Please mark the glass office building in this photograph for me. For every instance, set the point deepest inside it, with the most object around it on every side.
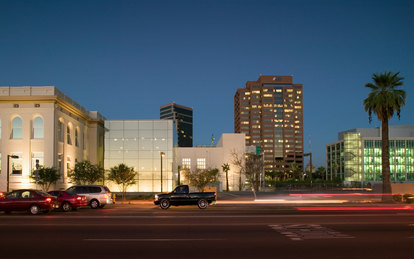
(139, 144)
(356, 156)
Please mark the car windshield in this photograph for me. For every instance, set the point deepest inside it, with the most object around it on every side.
(106, 189)
(71, 190)
(70, 193)
(42, 193)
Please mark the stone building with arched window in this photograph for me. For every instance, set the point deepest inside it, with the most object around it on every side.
(41, 125)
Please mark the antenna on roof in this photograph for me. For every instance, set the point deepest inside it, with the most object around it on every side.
(212, 139)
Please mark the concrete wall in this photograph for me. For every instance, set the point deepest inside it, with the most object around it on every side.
(217, 156)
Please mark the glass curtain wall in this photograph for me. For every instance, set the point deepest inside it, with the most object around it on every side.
(401, 160)
(139, 144)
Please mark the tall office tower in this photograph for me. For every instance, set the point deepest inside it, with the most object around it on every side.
(183, 122)
(270, 112)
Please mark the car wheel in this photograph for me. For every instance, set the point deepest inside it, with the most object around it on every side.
(102, 206)
(94, 204)
(34, 209)
(202, 203)
(164, 204)
(66, 207)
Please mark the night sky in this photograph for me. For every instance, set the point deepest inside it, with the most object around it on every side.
(127, 58)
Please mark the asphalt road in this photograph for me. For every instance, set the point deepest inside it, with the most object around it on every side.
(221, 231)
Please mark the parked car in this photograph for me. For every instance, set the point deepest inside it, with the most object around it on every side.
(33, 201)
(182, 196)
(68, 201)
(97, 196)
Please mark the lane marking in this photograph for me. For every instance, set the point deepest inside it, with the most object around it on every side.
(300, 232)
(151, 239)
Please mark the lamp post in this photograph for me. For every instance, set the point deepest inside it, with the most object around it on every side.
(162, 155)
(8, 168)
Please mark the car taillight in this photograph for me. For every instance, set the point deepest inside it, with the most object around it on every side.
(1, 194)
(79, 198)
(106, 196)
(48, 199)
(215, 194)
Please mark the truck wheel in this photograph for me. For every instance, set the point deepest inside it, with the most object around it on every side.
(164, 204)
(202, 203)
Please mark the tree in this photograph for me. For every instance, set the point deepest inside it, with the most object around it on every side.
(86, 173)
(239, 160)
(384, 100)
(254, 168)
(320, 173)
(45, 177)
(123, 176)
(200, 178)
(295, 170)
(226, 169)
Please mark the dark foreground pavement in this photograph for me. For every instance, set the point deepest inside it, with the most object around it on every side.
(222, 231)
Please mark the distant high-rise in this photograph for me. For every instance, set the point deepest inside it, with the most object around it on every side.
(270, 112)
(183, 122)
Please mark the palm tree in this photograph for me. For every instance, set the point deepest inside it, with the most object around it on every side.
(226, 168)
(383, 100)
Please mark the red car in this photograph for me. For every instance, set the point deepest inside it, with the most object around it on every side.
(33, 201)
(69, 201)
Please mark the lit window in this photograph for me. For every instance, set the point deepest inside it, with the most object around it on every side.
(186, 163)
(17, 128)
(17, 163)
(37, 159)
(201, 163)
(38, 128)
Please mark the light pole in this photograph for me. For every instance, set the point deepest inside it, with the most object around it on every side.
(8, 168)
(162, 155)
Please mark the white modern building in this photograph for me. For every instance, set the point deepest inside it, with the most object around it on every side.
(214, 157)
(146, 145)
(356, 156)
(41, 125)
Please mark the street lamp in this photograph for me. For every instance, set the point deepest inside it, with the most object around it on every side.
(162, 155)
(8, 168)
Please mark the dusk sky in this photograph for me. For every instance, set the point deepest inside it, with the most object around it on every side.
(127, 58)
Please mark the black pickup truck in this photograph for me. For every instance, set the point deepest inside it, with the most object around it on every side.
(181, 196)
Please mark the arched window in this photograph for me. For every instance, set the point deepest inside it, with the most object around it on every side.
(17, 128)
(68, 132)
(60, 131)
(38, 127)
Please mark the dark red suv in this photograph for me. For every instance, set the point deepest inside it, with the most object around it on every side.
(33, 201)
(69, 201)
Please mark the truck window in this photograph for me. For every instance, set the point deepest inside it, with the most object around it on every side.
(181, 189)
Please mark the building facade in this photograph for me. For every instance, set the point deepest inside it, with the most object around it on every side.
(183, 122)
(42, 126)
(214, 157)
(269, 112)
(356, 156)
(140, 144)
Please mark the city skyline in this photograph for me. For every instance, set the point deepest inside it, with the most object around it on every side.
(133, 55)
